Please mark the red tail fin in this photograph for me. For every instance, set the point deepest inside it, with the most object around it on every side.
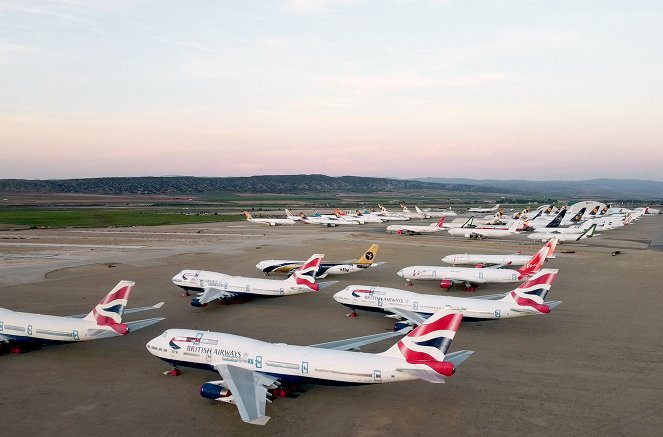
(534, 264)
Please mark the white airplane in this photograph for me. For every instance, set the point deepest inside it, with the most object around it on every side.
(479, 233)
(526, 300)
(289, 215)
(367, 260)
(358, 216)
(575, 229)
(213, 285)
(324, 221)
(416, 229)
(448, 276)
(21, 332)
(545, 221)
(565, 237)
(418, 214)
(253, 371)
(439, 213)
(460, 223)
(391, 215)
(269, 221)
(494, 208)
(495, 260)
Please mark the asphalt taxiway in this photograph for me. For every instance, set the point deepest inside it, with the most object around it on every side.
(593, 366)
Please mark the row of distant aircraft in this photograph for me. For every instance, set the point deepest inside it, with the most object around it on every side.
(253, 372)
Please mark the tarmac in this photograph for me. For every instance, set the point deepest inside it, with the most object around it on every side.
(593, 366)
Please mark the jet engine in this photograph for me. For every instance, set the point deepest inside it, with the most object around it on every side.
(215, 390)
(196, 303)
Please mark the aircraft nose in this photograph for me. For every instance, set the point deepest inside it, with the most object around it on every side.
(400, 272)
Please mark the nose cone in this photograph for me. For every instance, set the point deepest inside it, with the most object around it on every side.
(341, 295)
(401, 273)
(446, 259)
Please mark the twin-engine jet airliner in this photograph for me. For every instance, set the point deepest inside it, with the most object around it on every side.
(416, 229)
(480, 260)
(24, 331)
(252, 371)
(448, 276)
(526, 300)
(269, 221)
(213, 285)
(566, 237)
(480, 233)
(367, 260)
(493, 209)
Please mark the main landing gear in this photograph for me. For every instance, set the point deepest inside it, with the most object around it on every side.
(352, 314)
(173, 372)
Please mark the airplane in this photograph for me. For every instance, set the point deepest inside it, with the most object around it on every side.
(253, 371)
(212, 285)
(494, 260)
(358, 216)
(289, 215)
(448, 276)
(494, 208)
(440, 213)
(564, 238)
(418, 214)
(460, 223)
(478, 233)
(416, 229)
(324, 221)
(576, 229)
(269, 221)
(391, 215)
(326, 268)
(526, 300)
(21, 332)
(546, 221)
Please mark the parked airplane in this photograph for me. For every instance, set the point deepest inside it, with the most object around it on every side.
(544, 221)
(564, 238)
(253, 371)
(289, 215)
(494, 208)
(440, 213)
(526, 300)
(460, 223)
(448, 276)
(326, 268)
(392, 215)
(417, 214)
(576, 229)
(486, 233)
(269, 221)
(416, 229)
(21, 332)
(324, 221)
(213, 285)
(358, 216)
(495, 260)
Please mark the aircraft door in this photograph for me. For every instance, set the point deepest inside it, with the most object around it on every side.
(415, 306)
(2, 326)
(377, 375)
(29, 329)
(258, 362)
(74, 335)
(304, 366)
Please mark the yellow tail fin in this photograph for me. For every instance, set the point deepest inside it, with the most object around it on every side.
(369, 256)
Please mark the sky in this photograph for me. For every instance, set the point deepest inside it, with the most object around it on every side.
(492, 89)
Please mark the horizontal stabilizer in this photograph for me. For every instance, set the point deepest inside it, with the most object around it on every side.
(326, 284)
(140, 324)
(352, 343)
(456, 358)
(554, 304)
(126, 311)
(426, 375)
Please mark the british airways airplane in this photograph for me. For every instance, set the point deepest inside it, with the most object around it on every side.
(526, 300)
(20, 332)
(253, 371)
(212, 285)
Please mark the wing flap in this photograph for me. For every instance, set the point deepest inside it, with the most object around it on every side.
(212, 293)
(456, 358)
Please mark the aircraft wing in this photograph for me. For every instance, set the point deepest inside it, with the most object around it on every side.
(353, 343)
(212, 293)
(408, 315)
(249, 389)
(140, 324)
(126, 311)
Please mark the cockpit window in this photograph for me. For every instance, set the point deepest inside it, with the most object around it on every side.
(165, 334)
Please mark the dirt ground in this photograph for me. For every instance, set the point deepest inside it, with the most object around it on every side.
(593, 366)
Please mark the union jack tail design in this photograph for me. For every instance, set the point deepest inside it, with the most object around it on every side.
(109, 311)
(535, 263)
(532, 292)
(428, 343)
(305, 275)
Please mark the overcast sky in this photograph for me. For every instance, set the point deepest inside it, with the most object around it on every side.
(500, 89)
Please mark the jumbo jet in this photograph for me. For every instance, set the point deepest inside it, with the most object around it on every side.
(417, 214)
(212, 285)
(479, 233)
(495, 260)
(269, 221)
(367, 260)
(416, 229)
(493, 209)
(526, 300)
(253, 372)
(358, 216)
(566, 237)
(392, 215)
(448, 276)
(20, 332)
(324, 221)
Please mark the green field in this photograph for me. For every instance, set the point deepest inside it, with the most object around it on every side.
(92, 218)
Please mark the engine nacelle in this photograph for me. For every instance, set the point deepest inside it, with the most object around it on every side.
(215, 391)
(196, 303)
(446, 284)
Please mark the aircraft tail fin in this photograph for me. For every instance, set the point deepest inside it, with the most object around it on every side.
(576, 218)
(288, 214)
(535, 262)
(247, 216)
(424, 348)
(551, 245)
(109, 311)
(588, 233)
(514, 226)
(306, 274)
(554, 223)
(532, 293)
(369, 256)
(302, 216)
(468, 223)
(440, 224)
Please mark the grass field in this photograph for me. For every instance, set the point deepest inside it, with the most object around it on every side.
(89, 218)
